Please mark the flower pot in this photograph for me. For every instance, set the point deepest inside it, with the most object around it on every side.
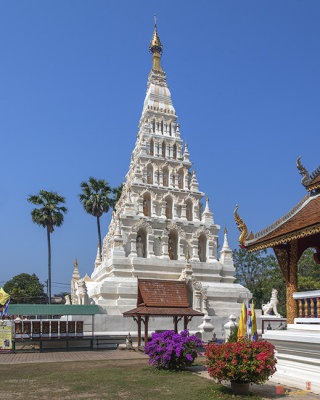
(240, 388)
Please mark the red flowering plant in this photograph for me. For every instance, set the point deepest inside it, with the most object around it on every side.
(242, 362)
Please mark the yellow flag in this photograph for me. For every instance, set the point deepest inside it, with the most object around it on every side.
(242, 323)
(254, 325)
(3, 297)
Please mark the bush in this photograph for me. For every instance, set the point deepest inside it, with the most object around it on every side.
(242, 362)
(233, 335)
(170, 350)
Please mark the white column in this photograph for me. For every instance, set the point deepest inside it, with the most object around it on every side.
(150, 241)
(163, 208)
(133, 251)
(183, 211)
(165, 254)
(181, 255)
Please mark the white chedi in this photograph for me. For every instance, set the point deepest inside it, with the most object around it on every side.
(159, 218)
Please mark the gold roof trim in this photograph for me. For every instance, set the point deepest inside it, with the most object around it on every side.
(313, 187)
(280, 221)
(310, 230)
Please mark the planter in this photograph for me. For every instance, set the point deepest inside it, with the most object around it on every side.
(240, 388)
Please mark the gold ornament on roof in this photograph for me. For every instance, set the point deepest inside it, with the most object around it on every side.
(76, 263)
(242, 228)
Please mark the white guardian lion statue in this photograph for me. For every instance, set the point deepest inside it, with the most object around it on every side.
(82, 292)
(272, 305)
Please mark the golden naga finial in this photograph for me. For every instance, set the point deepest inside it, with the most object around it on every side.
(76, 263)
(242, 228)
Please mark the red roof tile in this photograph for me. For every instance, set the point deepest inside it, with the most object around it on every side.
(162, 293)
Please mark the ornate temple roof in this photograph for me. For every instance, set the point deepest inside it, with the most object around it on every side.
(162, 298)
(303, 220)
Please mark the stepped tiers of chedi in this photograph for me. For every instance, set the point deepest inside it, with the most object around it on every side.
(159, 222)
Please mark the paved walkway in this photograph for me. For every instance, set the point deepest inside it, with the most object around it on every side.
(70, 356)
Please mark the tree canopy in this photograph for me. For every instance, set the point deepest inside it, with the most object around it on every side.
(51, 213)
(260, 273)
(25, 288)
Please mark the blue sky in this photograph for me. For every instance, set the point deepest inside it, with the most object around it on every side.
(244, 78)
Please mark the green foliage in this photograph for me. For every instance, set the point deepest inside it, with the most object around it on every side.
(50, 214)
(95, 196)
(233, 335)
(25, 288)
(260, 273)
(308, 272)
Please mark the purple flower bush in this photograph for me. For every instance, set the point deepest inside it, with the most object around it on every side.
(170, 350)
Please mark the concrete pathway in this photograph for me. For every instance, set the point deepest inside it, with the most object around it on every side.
(19, 358)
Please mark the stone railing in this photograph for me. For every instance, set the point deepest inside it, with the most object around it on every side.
(308, 305)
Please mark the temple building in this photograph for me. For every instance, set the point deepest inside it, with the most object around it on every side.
(298, 350)
(160, 229)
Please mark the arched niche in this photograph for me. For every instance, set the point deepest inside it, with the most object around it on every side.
(141, 243)
(150, 174)
(189, 210)
(147, 205)
(164, 149)
(165, 176)
(174, 151)
(169, 206)
(202, 247)
(180, 179)
(173, 245)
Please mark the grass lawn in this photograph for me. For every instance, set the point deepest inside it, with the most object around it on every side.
(121, 379)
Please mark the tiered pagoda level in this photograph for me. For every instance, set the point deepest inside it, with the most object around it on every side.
(159, 217)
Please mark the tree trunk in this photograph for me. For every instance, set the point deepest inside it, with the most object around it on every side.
(49, 266)
(99, 236)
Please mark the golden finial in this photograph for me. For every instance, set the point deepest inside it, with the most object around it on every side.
(187, 255)
(194, 172)
(155, 45)
(225, 229)
(207, 199)
(76, 263)
(156, 49)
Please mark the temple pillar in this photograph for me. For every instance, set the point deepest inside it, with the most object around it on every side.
(163, 206)
(160, 178)
(194, 250)
(165, 249)
(211, 254)
(133, 246)
(181, 255)
(287, 256)
(183, 211)
(150, 242)
(146, 321)
(292, 282)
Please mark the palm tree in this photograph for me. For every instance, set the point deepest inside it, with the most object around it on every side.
(49, 215)
(95, 199)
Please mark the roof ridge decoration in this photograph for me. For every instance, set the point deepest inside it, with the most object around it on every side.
(307, 179)
(242, 228)
(282, 219)
(303, 171)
